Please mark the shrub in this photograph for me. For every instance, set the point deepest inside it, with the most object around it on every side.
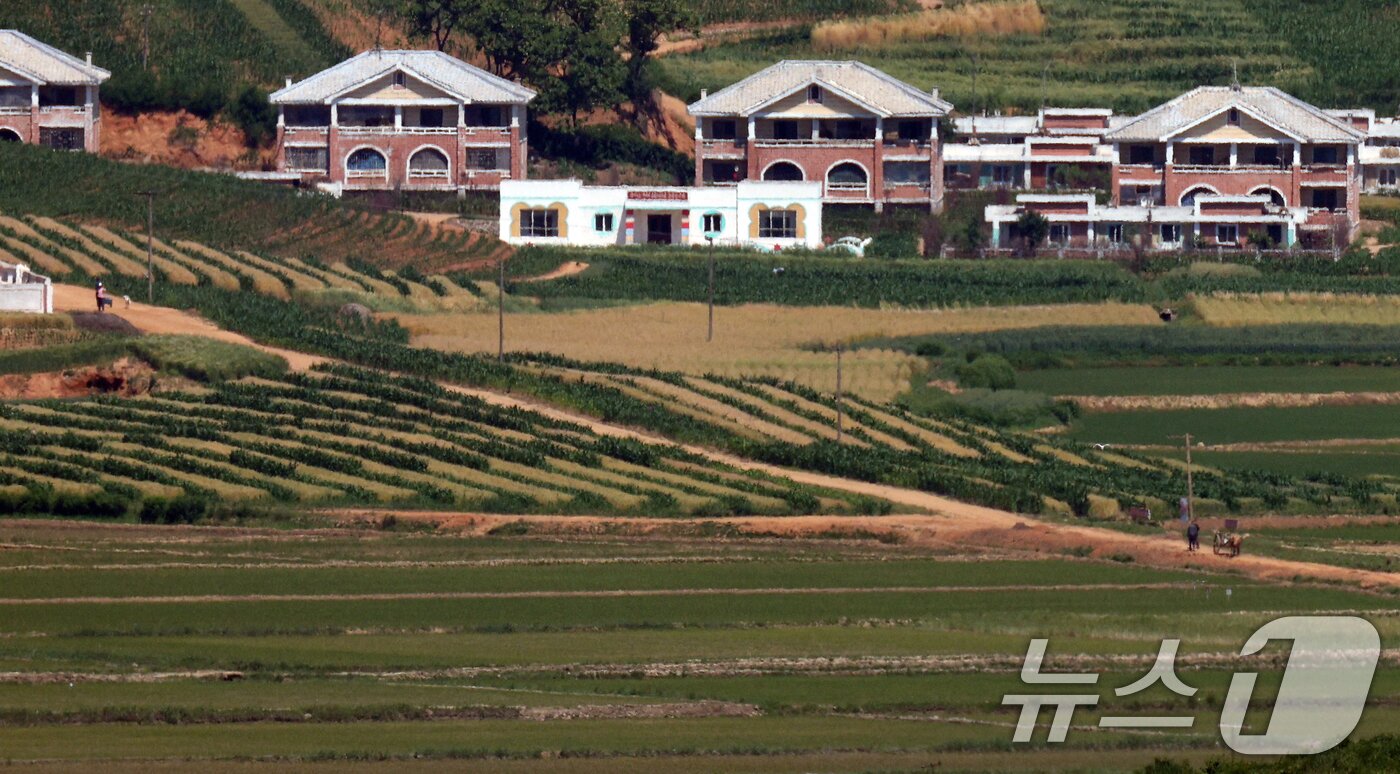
(991, 372)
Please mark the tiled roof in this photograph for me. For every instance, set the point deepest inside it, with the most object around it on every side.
(887, 95)
(1285, 112)
(446, 72)
(44, 64)
(996, 124)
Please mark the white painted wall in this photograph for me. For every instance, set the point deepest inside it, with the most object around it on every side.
(732, 203)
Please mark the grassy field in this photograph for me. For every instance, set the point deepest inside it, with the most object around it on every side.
(1108, 54)
(668, 652)
(750, 340)
(1282, 309)
(1211, 380)
(1241, 425)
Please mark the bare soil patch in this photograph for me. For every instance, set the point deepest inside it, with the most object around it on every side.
(126, 377)
(566, 269)
(178, 139)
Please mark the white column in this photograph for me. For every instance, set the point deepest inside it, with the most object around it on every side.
(1234, 154)
(879, 128)
(462, 115)
(753, 129)
(699, 134)
(1297, 153)
(515, 115)
(996, 233)
(34, 95)
(335, 114)
(87, 98)
(281, 116)
(1090, 226)
(816, 129)
(1171, 153)
(398, 117)
(1026, 172)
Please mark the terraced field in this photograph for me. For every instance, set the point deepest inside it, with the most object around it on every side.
(66, 250)
(350, 436)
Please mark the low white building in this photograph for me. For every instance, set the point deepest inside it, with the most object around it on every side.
(767, 214)
(21, 290)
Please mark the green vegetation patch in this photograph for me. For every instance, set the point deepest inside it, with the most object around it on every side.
(1240, 425)
(1211, 380)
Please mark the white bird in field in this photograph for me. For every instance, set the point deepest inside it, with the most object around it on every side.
(1101, 446)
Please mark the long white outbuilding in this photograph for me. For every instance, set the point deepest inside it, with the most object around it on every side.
(768, 214)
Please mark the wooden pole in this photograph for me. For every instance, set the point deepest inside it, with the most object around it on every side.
(838, 396)
(1190, 481)
(150, 245)
(146, 11)
(501, 315)
(710, 331)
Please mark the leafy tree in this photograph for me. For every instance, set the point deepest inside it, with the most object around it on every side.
(1032, 227)
(587, 71)
(647, 20)
(435, 20)
(254, 115)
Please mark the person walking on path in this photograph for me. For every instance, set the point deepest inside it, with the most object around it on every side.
(1193, 536)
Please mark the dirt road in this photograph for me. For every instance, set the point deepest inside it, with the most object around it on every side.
(162, 319)
(940, 521)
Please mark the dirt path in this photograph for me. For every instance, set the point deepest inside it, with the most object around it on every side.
(951, 523)
(162, 319)
(564, 594)
(566, 269)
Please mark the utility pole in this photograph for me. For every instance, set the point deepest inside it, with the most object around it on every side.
(146, 12)
(838, 395)
(710, 331)
(501, 314)
(150, 245)
(1190, 484)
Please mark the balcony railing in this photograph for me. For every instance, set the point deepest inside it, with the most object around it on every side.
(819, 142)
(367, 174)
(73, 109)
(440, 174)
(320, 131)
(914, 186)
(15, 110)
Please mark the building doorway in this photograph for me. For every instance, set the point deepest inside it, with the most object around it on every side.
(658, 229)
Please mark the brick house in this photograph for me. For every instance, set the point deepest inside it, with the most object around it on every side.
(1213, 168)
(866, 137)
(48, 97)
(1379, 156)
(1028, 152)
(409, 120)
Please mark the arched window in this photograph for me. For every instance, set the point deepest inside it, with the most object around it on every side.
(1188, 199)
(847, 175)
(9, 135)
(783, 170)
(367, 160)
(1275, 197)
(428, 162)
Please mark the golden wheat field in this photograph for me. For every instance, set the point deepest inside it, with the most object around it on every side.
(991, 19)
(1228, 309)
(750, 340)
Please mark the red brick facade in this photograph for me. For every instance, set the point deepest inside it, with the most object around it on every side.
(27, 125)
(399, 146)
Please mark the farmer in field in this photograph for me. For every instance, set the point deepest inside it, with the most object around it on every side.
(1193, 536)
(104, 300)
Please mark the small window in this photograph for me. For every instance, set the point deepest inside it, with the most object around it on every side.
(1227, 235)
(723, 129)
(1202, 155)
(913, 131)
(1141, 154)
(1059, 233)
(485, 158)
(603, 222)
(1115, 233)
(712, 223)
(1387, 177)
(1234, 117)
(400, 80)
(539, 223)
(777, 224)
(814, 93)
(785, 130)
(1171, 233)
(1325, 154)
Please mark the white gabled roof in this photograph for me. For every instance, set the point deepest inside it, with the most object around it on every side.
(1284, 112)
(880, 92)
(45, 65)
(469, 83)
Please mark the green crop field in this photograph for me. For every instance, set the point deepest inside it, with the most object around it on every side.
(1210, 380)
(1116, 54)
(1240, 425)
(643, 646)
